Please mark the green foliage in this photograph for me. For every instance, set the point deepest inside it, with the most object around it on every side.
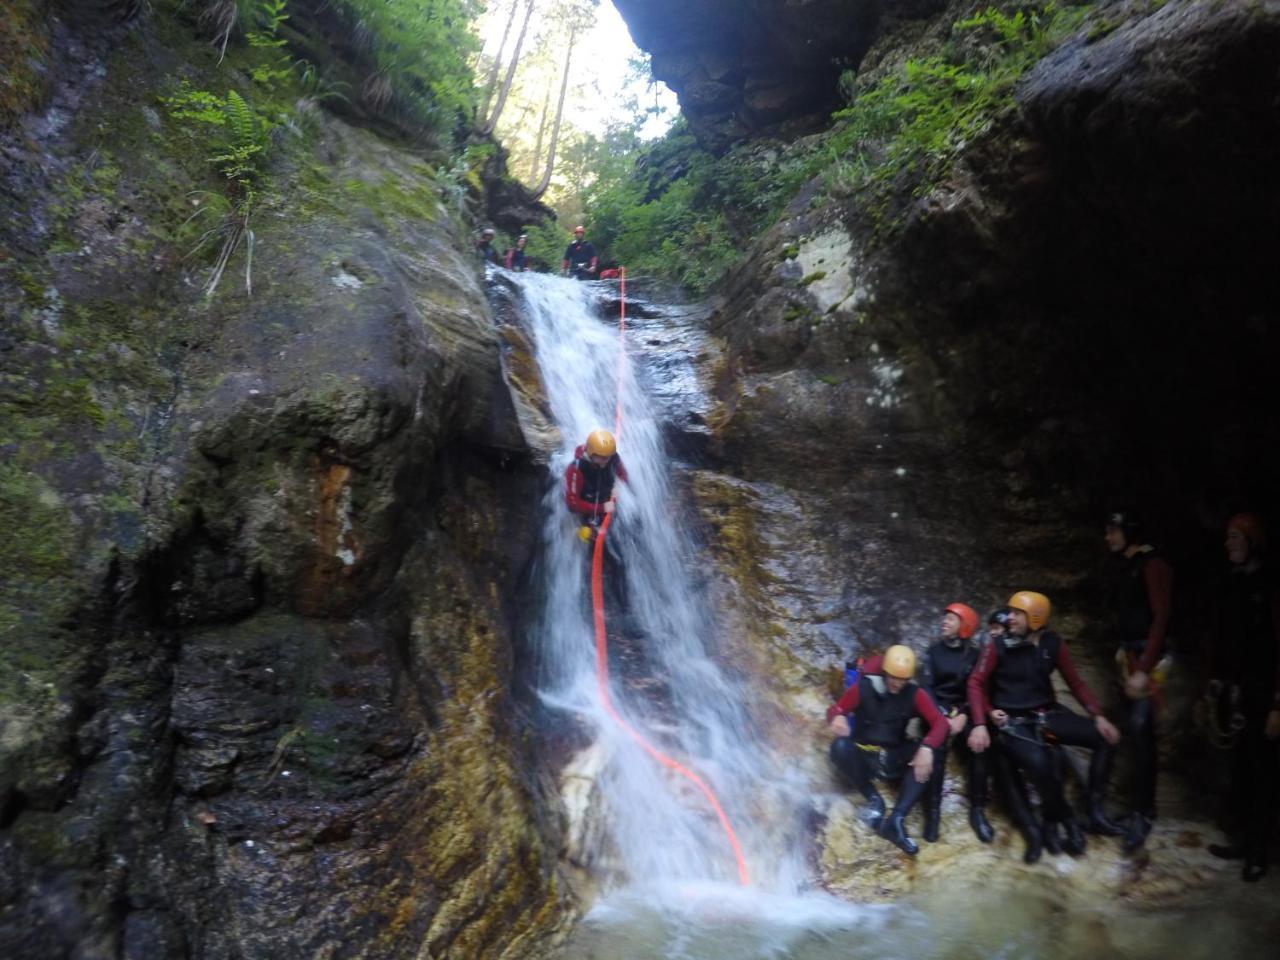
(422, 50)
(235, 133)
(671, 209)
(916, 120)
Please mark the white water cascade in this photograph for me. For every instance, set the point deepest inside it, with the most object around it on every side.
(660, 835)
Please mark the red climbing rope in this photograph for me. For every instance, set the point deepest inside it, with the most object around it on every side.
(602, 641)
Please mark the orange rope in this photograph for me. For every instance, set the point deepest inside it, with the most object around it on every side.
(602, 641)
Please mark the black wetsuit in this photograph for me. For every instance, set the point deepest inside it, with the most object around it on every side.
(1017, 678)
(879, 748)
(488, 254)
(1246, 657)
(1139, 597)
(580, 255)
(946, 675)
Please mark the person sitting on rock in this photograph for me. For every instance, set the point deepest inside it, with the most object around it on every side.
(1140, 592)
(1244, 667)
(878, 748)
(589, 479)
(1012, 687)
(947, 665)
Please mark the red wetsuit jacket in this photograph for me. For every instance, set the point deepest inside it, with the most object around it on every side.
(925, 709)
(979, 683)
(1157, 576)
(587, 487)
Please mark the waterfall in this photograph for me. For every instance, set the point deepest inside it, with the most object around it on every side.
(658, 827)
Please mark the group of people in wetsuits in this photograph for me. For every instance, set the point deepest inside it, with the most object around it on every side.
(992, 700)
(580, 260)
(991, 697)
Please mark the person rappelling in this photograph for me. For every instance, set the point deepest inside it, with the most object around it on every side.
(580, 258)
(589, 479)
(878, 746)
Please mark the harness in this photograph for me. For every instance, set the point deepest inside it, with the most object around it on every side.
(881, 717)
(1030, 728)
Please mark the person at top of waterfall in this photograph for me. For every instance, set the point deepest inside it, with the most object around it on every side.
(1243, 665)
(589, 479)
(580, 258)
(484, 247)
(517, 259)
(947, 665)
(1012, 687)
(1139, 584)
(877, 746)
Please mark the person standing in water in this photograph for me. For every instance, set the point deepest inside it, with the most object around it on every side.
(1140, 596)
(1244, 667)
(580, 258)
(516, 258)
(877, 746)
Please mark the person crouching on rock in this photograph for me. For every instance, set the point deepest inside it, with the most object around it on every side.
(947, 665)
(1012, 686)
(877, 748)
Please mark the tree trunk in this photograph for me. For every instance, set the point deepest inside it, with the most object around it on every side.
(491, 82)
(555, 127)
(542, 128)
(492, 122)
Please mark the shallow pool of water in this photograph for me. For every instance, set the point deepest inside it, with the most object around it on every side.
(955, 922)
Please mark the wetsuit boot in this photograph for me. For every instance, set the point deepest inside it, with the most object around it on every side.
(874, 812)
(1035, 843)
(895, 831)
(1073, 839)
(932, 801)
(1136, 832)
(1051, 836)
(1099, 772)
(978, 798)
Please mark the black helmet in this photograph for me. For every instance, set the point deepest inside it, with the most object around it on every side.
(1127, 520)
(1001, 616)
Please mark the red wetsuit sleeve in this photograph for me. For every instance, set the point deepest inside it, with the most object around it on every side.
(930, 714)
(846, 704)
(619, 470)
(976, 685)
(1159, 580)
(1067, 667)
(572, 487)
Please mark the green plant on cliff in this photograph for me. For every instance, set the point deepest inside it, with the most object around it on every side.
(916, 120)
(237, 137)
(421, 49)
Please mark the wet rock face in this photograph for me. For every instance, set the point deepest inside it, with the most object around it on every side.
(744, 68)
(1066, 320)
(256, 697)
(935, 403)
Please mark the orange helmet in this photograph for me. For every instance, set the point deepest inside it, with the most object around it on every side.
(968, 619)
(600, 443)
(1250, 524)
(1034, 605)
(900, 662)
